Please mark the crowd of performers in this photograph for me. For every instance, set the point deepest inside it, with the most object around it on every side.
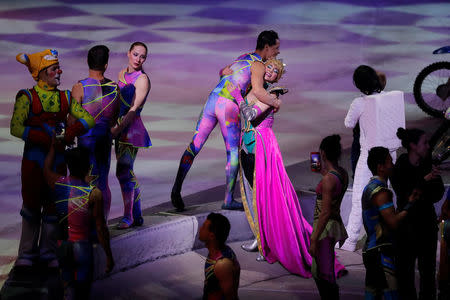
(68, 213)
(59, 209)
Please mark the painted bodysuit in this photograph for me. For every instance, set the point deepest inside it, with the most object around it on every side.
(102, 100)
(270, 201)
(378, 252)
(71, 196)
(38, 113)
(222, 108)
(133, 137)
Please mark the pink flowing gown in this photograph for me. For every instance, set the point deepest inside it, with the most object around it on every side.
(273, 208)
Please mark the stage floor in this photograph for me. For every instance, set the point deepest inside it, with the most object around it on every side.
(321, 42)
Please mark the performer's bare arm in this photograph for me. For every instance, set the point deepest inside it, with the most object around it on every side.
(328, 186)
(77, 92)
(142, 86)
(102, 229)
(224, 273)
(388, 214)
(257, 79)
(445, 211)
(226, 71)
(50, 176)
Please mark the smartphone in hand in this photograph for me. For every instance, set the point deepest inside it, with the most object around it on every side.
(315, 162)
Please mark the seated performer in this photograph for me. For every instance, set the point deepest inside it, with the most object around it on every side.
(270, 201)
(379, 115)
(380, 220)
(101, 98)
(38, 113)
(222, 270)
(221, 107)
(78, 206)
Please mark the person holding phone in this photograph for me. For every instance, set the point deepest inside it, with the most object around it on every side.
(328, 225)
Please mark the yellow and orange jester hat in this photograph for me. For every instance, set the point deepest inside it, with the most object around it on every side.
(38, 61)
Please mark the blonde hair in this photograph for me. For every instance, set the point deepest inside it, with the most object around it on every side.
(277, 64)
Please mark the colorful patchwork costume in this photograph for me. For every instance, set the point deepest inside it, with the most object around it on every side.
(101, 100)
(378, 253)
(133, 137)
(222, 108)
(38, 113)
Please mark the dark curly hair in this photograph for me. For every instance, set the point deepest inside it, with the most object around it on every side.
(98, 57)
(331, 145)
(366, 80)
(220, 227)
(377, 156)
(408, 136)
(267, 37)
(77, 160)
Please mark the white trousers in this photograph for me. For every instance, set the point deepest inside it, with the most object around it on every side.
(362, 177)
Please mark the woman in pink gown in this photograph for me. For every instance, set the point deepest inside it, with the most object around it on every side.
(270, 201)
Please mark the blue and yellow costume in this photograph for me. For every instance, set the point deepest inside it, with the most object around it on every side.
(222, 108)
(378, 254)
(39, 112)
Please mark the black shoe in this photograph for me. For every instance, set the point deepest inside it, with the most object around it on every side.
(177, 201)
(23, 276)
(138, 221)
(233, 205)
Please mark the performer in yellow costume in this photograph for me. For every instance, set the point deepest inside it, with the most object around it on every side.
(39, 113)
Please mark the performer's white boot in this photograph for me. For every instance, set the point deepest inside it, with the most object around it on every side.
(251, 247)
(260, 258)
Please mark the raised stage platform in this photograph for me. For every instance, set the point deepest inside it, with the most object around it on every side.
(322, 42)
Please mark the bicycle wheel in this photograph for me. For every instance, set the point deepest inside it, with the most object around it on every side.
(432, 89)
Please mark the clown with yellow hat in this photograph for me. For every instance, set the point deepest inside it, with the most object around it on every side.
(39, 112)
